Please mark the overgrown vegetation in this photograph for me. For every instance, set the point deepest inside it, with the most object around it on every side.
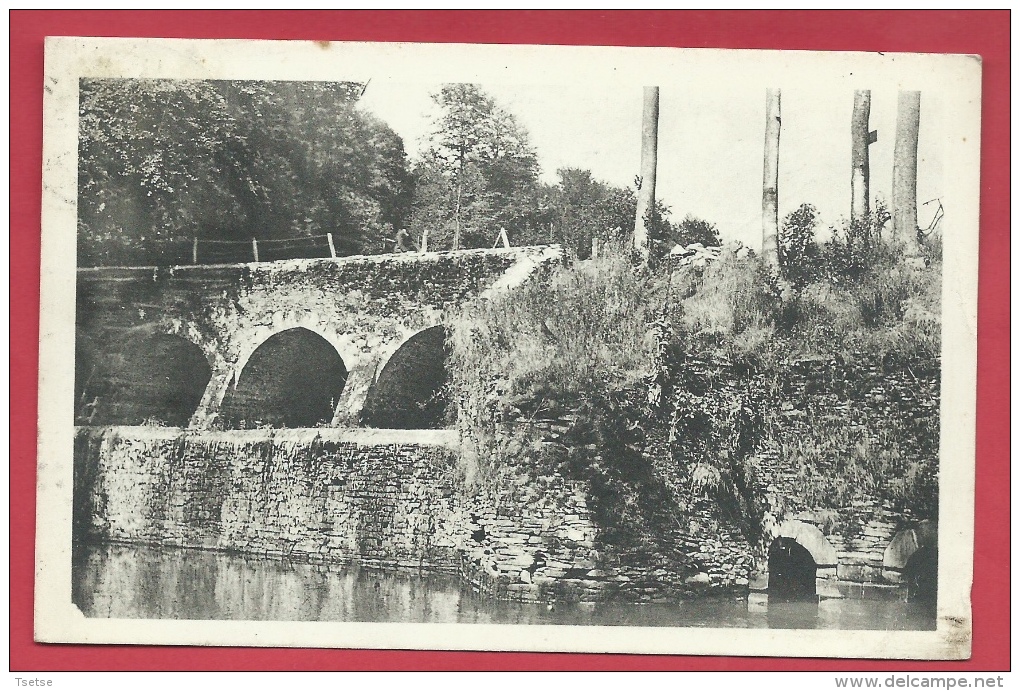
(668, 384)
(675, 382)
(536, 353)
(573, 349)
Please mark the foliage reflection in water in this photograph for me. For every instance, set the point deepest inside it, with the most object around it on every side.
(127, 581)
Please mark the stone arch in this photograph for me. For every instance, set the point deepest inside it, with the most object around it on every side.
(903, 546)
(810, 538)
(293, 379)
(155, 378)
(190, 332)
(411, 390)
(792, 570)
(245, 341)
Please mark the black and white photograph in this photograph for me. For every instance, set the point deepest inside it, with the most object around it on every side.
(508, 348)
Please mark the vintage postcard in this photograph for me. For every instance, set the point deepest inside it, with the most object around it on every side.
(505, 347)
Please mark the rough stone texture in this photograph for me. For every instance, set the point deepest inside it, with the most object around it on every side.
(365, 307)
(378, 497)
(712, 556)
(541, 549)
(316, 495)
(903, 546)
(873, 396)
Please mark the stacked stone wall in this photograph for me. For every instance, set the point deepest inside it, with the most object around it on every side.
(301, 494)
(875, 398)
(383, 498)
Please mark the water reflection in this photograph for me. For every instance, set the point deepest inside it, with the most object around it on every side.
(121, 581)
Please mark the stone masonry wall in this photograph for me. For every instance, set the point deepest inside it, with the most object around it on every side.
(381, 498)
(879, 399)
(874, 397)
(306, 494)
(395, 498)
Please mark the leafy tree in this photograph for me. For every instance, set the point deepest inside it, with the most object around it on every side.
(169, 160)
(479, 174)
(581, 209)
(434, 210)
(152, 155)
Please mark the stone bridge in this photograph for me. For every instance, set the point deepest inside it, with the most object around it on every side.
(337, 344)
(297, 343)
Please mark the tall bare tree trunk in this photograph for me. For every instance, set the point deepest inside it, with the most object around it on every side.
(460, 188)
(649, 153)
(770, 179)
(860, 173)
(904, 188)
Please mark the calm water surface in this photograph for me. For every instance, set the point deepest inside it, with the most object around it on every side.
(122, 581)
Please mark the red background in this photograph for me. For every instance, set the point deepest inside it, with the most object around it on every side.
(981, 32)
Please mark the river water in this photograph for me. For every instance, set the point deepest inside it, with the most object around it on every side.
(127, 581)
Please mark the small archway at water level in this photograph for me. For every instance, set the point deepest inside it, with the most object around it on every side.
(792, 572)
(294, 379)
(153, 379)
(411, 391)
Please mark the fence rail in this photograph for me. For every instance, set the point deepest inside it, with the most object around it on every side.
(206, 251)
(201, 251)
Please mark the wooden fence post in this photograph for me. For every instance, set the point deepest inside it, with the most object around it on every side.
(255, 248)
(194, 250)
(332, 249)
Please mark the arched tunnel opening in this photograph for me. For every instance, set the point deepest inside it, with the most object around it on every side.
(157, 379)
(411, 391)
(792, 572)
(921, 575)
(294, 379)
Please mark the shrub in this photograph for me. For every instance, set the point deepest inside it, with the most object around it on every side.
(798, 252)
(855, 245)
(693, 229)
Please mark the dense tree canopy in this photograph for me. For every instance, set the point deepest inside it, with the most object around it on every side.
(581, 209)
(162, 162)
(165, 161)
(584, 208)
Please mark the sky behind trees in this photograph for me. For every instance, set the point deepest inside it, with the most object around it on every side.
(710, 143)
